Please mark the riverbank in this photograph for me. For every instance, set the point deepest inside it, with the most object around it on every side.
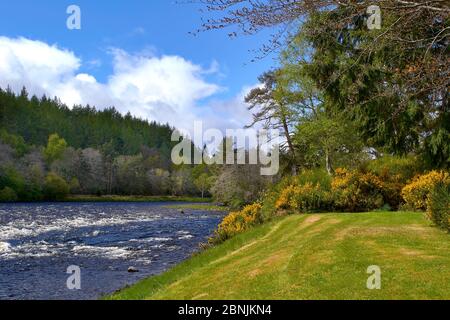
(320, 256)
(198, 206)
(114, 198)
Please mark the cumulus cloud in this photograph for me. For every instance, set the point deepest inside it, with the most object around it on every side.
(167, 89)
(34, 64)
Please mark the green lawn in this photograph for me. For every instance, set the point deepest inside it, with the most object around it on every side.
(321, 256)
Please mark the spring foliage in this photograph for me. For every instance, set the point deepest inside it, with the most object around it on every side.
(438, 206)
(237, 222)
(416, 193)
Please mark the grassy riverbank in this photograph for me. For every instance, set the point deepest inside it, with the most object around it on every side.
(198, 206)
(113, 198)
(322, 256)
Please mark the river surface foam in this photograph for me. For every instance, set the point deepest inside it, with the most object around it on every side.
(38, 242)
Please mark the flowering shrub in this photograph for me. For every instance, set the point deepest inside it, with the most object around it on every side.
(237, 222)
(416, 193)
(438, 205)
(395, 173)
(303, 198)
(356, 191)
(401, 169)
(392, 190)
(348, 191)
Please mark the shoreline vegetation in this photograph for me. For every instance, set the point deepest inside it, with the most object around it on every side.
(205, 206)
(116, 198)
(315, 256)
(131, 199)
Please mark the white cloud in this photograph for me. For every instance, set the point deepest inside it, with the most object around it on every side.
(161, 88)
(34, 64)
(165, 88)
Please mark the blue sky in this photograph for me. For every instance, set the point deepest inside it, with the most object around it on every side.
(139, 28)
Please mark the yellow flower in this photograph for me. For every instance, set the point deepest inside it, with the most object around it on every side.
(237, 222)
(415, 194)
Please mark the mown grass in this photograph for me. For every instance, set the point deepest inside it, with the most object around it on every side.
(115, 198)
(321, 256)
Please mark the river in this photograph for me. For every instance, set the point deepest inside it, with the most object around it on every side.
(38, 242)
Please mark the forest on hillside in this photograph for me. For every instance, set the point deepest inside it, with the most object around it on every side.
(48, 151)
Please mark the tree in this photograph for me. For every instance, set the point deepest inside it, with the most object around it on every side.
(393, 81)
(238, 185)
(12, 178)
(55, 187)
(328, 139)
(6, 154)
(159, 181)
(92, 176)
(68, 164)
(131, 175)
(109, 153)
(55, 148)
(203, 183)
(181, 182)
(14, 141)
(8, 195)
(378, 86)
(32, 166)
(273, 111)
(252, 16)
(74, 186)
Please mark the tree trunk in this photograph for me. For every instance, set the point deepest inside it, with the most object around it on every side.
(110, 180)
(329, 163)
(290, 145)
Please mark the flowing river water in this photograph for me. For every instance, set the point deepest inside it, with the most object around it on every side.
(38, 242)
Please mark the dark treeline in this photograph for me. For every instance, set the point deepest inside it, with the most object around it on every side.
(48, 151)
(36, 119)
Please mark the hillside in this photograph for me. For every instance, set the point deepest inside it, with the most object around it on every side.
(49, 151)
(35, 119)
(315, 257)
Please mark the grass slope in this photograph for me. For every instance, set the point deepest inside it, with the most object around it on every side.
(314, 257)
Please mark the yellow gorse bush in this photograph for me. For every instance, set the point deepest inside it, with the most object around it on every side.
(237, 222)
(351, 190)
(357, 191)
(344, 177)
(303, 198)
(298, 198)
(416, 193)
